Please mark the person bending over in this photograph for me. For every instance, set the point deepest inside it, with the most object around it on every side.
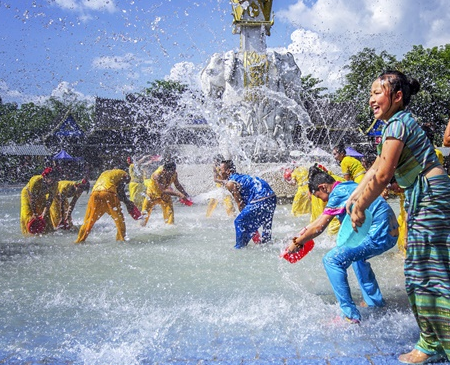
(256, 202)
(381, 237)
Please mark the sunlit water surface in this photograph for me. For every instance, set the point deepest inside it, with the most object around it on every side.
(181, 293)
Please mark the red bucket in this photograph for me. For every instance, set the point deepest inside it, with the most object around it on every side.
(134, 212)
(287, 174)
(293, 257)
(187, 202)
(36, 225)
(256, 237)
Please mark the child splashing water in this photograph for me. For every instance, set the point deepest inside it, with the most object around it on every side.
(381, 236)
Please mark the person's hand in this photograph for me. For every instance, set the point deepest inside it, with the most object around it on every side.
(295, 245)
(357, 217)
(349, 205)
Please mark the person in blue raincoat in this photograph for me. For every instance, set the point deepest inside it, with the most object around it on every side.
(381, 237)
(256, 202)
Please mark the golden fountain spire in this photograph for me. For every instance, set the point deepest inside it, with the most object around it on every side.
(253, 20)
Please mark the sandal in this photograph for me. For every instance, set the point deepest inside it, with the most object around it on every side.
(418, 358)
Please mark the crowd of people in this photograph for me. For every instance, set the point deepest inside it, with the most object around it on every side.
(406, 163)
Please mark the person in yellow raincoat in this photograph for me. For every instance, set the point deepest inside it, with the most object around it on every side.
(351, 167)
(302, 201)
(402, 217)
(61, 210)
(107, 193)
(227, 200)
(36, 199)
(159, 191)
(318, 205)
(136, 185)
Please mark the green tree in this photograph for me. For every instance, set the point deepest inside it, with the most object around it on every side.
(24, 124)
(431, 67)
(82, 110)
(167, 92)
(310, 87)
(363, 68)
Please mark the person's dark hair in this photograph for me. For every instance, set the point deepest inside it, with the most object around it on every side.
(400, 82)
(369, 158)
(317, 176)
(169, 165)
(229, 164)
(218, 158)
(340, 148)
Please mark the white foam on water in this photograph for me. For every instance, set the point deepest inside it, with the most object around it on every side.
(181, 292)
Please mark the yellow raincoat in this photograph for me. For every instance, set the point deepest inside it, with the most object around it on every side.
(104, 199)
(35, 196)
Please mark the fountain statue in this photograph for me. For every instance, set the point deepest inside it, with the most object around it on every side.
(259, 89)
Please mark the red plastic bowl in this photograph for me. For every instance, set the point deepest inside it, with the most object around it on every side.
(36, 225)
(256, 237)
(293, 257)
(287, 174)
(134, 212)
(187, 202)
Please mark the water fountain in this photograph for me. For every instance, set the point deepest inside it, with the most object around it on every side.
(180, 294)
(255, 93)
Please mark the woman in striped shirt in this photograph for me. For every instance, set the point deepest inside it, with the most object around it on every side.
(406, 152)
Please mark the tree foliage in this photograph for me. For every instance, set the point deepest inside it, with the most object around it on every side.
(24, 124)
(167, 92)
(29, 122)
(431, 67)
(363, 68)
(310, 87)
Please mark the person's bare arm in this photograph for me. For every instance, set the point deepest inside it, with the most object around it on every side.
(311, 231)
(361, 186)
(72, 204)
(233, 188)
(446, 139)
(121, 191)
(382, 175)
(180, 187)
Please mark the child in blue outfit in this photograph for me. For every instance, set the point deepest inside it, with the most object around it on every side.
(256, 202)
(381, 237)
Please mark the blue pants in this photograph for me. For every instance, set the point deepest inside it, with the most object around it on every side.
(252, 217)
(338, 260)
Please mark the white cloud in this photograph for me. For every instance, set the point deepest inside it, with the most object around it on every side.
(68, 4)
(186, 73)
(114, 62)
(66, 91)
(330, 31)
(99, 5)
(85, 7)
(63, 91)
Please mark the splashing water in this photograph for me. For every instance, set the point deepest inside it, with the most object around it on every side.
(181, 293)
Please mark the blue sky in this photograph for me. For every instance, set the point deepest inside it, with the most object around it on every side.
(109, 48)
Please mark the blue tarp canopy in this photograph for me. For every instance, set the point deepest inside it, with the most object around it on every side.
(351, 152)
(69, 128)
(63, 155)
(375, 129)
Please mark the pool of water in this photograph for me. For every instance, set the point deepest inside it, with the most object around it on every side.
(182, 294)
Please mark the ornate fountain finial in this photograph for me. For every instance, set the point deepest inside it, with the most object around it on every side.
(252, 19)
(253, 13)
